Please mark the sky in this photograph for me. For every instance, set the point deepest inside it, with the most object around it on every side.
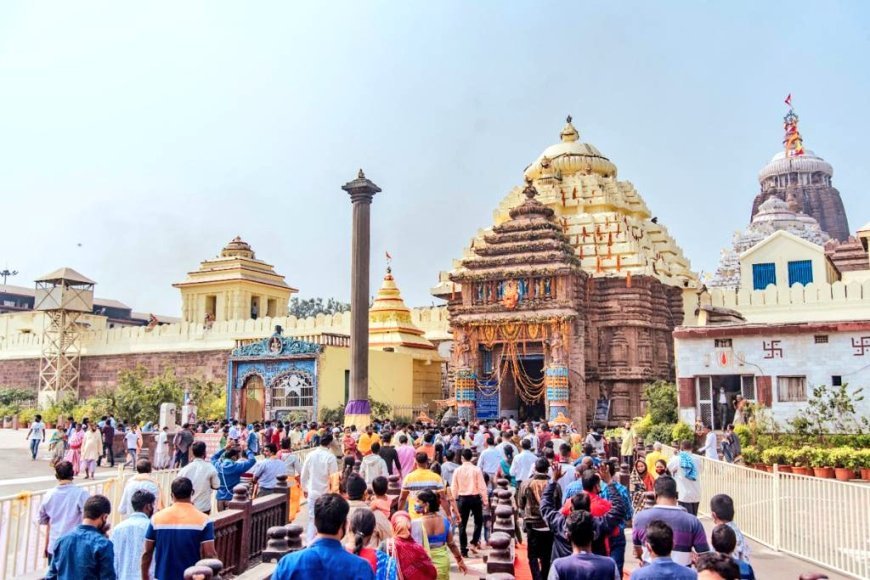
(136, 140)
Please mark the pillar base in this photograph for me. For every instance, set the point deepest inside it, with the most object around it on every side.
(358, 413)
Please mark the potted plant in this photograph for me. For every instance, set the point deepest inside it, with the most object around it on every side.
(772, 456)
(863, 459)
(841, 460)
(801, 460)
(751, 456)
(821, 462)
(787, 457)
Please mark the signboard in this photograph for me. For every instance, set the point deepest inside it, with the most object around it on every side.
(486, 406)
(602, 411)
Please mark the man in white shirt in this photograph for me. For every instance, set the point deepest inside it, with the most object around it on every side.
(319, 465)
(711, 445)
(36, 435)
(203, 476)
(557, 439)
(524, 463)
(506, 442)
(686, 470)
(479, 440)
(490, 459)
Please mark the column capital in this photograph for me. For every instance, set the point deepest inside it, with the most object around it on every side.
(361, 189)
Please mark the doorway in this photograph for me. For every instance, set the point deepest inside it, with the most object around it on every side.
(533, 368)
(716, 395)
(253, 400)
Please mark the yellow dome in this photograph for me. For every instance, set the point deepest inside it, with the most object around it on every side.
(570, 156)
(390, 322)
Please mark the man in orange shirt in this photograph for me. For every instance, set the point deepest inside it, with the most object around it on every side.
(364, 446)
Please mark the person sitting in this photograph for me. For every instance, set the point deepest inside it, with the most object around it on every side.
(716, 566)
(86, 552)
(659, 542)
(724, 541)
(582, 564)
(325, 557)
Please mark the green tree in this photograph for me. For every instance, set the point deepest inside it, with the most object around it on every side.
(661, 399)
(306, 307)
(830, 410)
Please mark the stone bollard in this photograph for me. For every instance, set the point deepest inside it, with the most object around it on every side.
(504, 521)
(241, 501)
(499, 560)
(283, 488)
(216, 567)
(623, 474)
(294, 538)
(649, 499)
(198, 573)
(394, 486)
(502, 483)
(505, 497)
(276, 545)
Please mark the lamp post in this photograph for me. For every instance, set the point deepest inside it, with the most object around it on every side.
(358, 410)
(7, 273)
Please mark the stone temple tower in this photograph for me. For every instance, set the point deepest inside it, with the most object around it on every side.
(802, 179)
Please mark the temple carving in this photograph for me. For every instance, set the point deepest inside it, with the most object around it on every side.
(569, 299)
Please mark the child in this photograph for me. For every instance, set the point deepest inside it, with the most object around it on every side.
(724, 541)
(722, 510)
(380, 503)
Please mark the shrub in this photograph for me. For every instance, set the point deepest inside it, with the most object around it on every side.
(662, 402)
(26, 416)
(743, 434)
(380, 410)
(803, 457)
(12, 396)
(841, 457)
(661, 433)
(862, 459)
(751, 454)
(682, 431)
(774, 455)
(820, 457)
(332, 415)
(830, 410)
(641, 426)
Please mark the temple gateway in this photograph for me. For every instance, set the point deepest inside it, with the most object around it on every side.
(564, 308)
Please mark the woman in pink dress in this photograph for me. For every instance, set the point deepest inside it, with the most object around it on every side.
(74, 453)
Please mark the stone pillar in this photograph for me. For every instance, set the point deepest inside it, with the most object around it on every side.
(358, 410)
(465, 383)
(556, 381)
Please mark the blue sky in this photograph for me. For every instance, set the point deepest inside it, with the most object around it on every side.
(151, 134)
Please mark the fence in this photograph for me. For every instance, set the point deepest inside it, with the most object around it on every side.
(824, 521)
(239, 531)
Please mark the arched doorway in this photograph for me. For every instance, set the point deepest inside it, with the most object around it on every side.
(253, 399)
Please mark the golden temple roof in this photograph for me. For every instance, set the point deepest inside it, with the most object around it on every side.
(390, 322)
(236, 262)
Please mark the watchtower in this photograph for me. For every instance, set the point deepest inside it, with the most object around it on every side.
(64, 295)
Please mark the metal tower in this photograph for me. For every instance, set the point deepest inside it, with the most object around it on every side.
(64, 295)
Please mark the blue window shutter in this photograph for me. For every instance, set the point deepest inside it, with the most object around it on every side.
(762, 275)
(800, 271)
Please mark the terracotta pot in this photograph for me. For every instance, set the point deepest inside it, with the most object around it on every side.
(843, 474)
(768, 468)
(785, 469)
(824, 472)
(865, 473)
(758, 466)
(800, 470)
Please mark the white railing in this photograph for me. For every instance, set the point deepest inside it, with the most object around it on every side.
(823, 521)
(22, 540)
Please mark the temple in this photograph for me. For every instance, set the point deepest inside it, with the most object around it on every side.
(802, 179)
(567, 303)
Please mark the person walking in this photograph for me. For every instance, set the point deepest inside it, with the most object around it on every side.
(142, 480)
(688, 533)
(659, 542)
(230, 467)
(582, 564)
(35, 436)
(133, 440)
(203, 475)
(686, 470)
(178, 536)
(91, 448)
(86, 552)
(731, 445)
(107, 431)
(128, 537)
(319, 466)
(490, 458)
(389, 455)
(722, 512)
(469, 492)
(438, 534)
(62, 507)
(74, 451)
(405, 453)
(162, 455)
(182, 442)
(540, 538)
(711, 445)
(325, 557)
(523, 466)
(294, 470)
(266, 472)
(373, 465)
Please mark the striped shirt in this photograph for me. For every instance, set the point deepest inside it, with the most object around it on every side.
(178, 533)
(419, 480)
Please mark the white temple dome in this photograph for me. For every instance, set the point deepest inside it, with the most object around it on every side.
(809, 162)
(570, 156)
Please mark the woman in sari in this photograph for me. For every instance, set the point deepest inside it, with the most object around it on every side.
(433, 530)
(57, 446)
(362, 525)
(414, 562)
(641, 482)
(74, 453)
(504, 467)
(162, 455)
(92, 447)
(338, 480)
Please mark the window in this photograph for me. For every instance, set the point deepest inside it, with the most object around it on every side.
(821, 339)
(294, 389)
(747, 387)
(836, 380)
(271, 307)
(486, 358)
(722, 343)
(801, 272)
(791, 389)
(763, 275)
(211, 305)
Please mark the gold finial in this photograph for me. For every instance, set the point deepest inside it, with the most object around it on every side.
(569, 133)
(360, 175)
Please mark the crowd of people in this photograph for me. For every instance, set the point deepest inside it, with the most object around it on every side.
(573, 508)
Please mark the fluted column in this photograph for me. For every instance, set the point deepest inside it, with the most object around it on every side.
(361, 191)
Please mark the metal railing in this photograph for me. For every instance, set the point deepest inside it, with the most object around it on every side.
(824, 521)
(23, 540)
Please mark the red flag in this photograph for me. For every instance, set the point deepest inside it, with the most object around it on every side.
(788, 100)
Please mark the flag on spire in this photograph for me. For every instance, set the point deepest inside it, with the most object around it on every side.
(389, 257)
(788, 100)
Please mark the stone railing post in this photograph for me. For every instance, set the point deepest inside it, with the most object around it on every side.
(241, 501)
(394, 486)
(198, 573)
(283, 488)
(215, 565)
(499, 560)
(294, 538)
(276, 545)
(504, 521)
